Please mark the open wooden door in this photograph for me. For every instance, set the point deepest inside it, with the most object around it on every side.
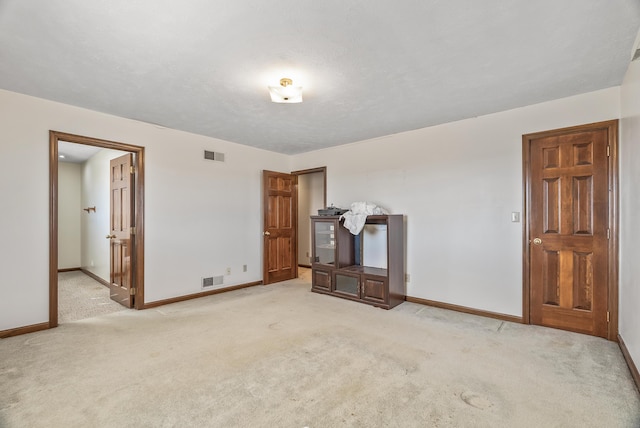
(122, 199)
(570, 227)
(280, 218)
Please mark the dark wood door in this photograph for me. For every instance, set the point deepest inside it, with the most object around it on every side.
(280, 219)
(121, 179)
(569, 230)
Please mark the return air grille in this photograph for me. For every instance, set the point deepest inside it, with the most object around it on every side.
(212, 280)
(214, 156)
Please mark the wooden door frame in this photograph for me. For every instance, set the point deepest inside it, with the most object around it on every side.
(323, 170)
(138, 254)
(611, 126)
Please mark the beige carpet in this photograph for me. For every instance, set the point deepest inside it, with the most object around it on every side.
(281, 356)
(80, 297)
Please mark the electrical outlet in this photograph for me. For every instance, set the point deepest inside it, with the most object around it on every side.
(407, 277)
(228, 272)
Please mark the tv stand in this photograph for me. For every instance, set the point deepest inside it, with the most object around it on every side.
(367, 268)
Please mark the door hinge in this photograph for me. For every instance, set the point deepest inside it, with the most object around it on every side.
(131, 169)
(608, 233)
(132, 230)
(132, 291)
(607, 316)
(608, 150)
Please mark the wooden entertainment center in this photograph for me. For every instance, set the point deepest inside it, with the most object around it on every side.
(368, 267)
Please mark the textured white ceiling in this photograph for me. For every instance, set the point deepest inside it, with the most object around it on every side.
(75, 153)
(368, 68)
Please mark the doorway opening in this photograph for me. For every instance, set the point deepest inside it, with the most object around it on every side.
(80, 296)
(312, 196)
(95, 268)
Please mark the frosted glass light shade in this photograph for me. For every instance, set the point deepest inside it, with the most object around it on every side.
(286, 92)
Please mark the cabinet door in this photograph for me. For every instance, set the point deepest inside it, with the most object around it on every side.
(324, 242)
(375, 290)
(346, 284)
(321, 279)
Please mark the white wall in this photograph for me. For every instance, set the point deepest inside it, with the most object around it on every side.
(310, 200)
(201, 216)
(95, 225)
(630, 212)
(457, 184)
(69, 215)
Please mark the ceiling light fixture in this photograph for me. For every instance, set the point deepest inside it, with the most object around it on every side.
(286, 92)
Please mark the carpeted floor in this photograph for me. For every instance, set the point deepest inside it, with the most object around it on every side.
(80, 297)
(281, 356)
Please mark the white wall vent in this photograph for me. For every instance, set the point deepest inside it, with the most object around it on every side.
(214, 156)
(212, 280)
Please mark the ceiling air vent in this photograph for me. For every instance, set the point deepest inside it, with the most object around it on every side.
(214, 156)
(636, 55)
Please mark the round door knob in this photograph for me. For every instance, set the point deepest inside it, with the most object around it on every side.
(110, 236)
(267, 233)
(537, 241)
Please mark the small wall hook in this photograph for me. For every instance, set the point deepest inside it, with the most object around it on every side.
(88, 210)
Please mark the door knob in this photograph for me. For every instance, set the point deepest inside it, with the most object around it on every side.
(267, 233)
(110, 236)
(537, 241)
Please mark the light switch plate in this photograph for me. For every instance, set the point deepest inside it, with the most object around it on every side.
(515, 217)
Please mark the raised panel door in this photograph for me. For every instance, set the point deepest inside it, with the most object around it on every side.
(374, 289)
(321, 279)
(569, 231)
(280, 214)
(120, 243)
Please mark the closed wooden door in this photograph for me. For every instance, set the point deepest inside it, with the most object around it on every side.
(280, 218)
(569, 228)
(121, 190)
